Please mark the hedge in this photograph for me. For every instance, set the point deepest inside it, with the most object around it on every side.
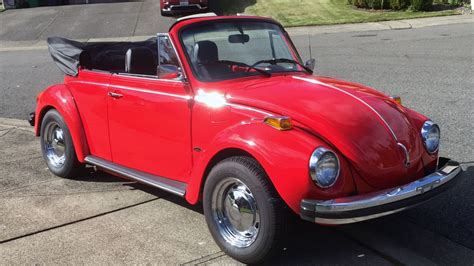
(416, 5)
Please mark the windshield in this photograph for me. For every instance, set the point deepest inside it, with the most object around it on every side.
(228, 50)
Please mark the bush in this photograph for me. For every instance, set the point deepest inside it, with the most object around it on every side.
(370, 4)
(398, 4)
(419, 5)
(381, 4)
(416, 5)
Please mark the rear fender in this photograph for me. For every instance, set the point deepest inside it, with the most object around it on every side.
(60, 98)
(284, 155)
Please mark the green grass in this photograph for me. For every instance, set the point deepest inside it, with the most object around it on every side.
(318, 12)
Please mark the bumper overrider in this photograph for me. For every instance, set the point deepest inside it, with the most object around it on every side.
(380, 203)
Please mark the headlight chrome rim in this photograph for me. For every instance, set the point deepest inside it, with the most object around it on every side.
(315, 158)
(425, 131)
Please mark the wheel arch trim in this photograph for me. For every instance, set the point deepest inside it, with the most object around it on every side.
(59, 97)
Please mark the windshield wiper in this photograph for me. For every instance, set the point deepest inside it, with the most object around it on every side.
(235, 63)
(275, 61)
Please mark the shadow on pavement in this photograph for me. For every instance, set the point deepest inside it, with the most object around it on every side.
(440, 231)
(90, 175)
(230, 6)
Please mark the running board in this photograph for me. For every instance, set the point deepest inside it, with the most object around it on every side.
(171, 186)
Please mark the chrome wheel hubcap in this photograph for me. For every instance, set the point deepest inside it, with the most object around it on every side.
(54, 145)
(235, 212)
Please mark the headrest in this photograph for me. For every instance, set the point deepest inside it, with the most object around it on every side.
(140, 60)
(205, 52)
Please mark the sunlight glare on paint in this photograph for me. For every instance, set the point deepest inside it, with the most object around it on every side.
(211, 99)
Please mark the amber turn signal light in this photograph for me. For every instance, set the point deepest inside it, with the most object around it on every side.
(279, 122)
(397, 99)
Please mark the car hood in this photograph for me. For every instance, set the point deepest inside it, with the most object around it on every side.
(364, 125)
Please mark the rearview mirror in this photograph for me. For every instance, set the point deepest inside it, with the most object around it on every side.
(239, 38)
(311, 63)
(165, 71)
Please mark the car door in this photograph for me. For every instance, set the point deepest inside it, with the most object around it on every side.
(90, 89)
(150, 119)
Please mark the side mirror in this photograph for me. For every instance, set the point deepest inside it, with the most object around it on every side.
(169, 72)
(311, 63)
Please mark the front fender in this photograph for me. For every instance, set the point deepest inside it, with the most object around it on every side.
(60, 98)
(284, 155)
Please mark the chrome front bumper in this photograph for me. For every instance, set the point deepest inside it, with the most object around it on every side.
(380, 203)
(184, 8)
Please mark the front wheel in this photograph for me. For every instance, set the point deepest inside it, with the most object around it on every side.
(244, 214)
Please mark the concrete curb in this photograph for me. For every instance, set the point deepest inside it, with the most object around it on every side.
(383, 25)
(6, 46)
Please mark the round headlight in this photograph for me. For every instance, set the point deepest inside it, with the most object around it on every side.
(324, 167)
(430, 134)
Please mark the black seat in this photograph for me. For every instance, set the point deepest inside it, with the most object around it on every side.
(85, 60)
(206, 52)
(206, 57)
(140, 60)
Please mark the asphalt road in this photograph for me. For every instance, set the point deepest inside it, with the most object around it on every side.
(102, 219)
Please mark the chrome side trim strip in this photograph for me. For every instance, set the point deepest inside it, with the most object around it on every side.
(355, 97)
(238, 106)
(185, 97)
(147, 77)
(89, 83)
(168, 185)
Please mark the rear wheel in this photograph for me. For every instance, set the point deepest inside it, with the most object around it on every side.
(243, 212)
(57, 147)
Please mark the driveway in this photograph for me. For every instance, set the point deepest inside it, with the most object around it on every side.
(100, 219)
(83, 21)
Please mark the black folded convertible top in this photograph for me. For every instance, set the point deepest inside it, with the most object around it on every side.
(69, 55)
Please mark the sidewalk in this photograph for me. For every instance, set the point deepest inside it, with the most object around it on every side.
(383, 25)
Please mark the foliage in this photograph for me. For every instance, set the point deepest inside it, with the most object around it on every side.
(394, 4)
(418, 5)
(325, 12)
(453, 2)
(232, 6)
(398, 4)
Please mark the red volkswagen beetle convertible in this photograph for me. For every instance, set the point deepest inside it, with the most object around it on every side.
(222, 110)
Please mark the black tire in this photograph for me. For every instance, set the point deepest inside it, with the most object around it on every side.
(70, 167)
(273, 213)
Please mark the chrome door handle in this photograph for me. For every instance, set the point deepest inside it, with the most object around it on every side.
(115, 95)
